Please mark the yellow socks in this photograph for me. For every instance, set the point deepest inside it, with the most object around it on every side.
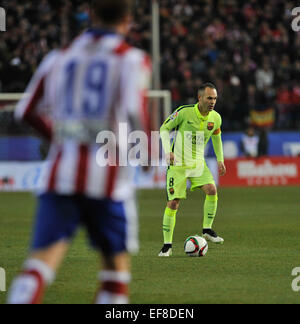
(210, 210)
(169, 225)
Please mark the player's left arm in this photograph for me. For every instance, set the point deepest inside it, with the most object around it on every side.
(136, 75)
(28, 108)
(218, 148)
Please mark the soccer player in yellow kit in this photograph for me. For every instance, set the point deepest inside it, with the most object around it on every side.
(194, 125)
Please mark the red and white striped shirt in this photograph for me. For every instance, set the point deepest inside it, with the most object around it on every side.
(92, 86)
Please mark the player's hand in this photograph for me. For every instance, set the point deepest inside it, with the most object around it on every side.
(170, 158)
(222, 168)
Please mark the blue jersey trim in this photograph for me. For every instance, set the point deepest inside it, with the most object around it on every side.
(100, 32)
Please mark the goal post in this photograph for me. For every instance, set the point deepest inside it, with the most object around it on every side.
(11, 96)
(160, 108)
(165, 95)
(8, 101)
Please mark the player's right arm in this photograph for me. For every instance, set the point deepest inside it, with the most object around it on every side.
(34, 99)
(170, 124)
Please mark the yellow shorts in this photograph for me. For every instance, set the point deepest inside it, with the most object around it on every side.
(177, 178)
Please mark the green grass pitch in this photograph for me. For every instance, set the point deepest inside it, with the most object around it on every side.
(261, 228)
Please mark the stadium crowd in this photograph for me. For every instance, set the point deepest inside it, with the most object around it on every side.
(247, 48)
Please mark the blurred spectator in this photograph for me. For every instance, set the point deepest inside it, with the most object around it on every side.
(250, 143)
(264, 77)
(245, 47)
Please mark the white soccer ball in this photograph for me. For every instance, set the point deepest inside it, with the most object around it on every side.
(195, 246)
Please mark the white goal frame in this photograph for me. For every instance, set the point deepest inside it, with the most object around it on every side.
(167, 98)
(164, 94)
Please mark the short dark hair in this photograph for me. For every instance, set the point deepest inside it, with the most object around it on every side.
(206, 85)
(111, 12)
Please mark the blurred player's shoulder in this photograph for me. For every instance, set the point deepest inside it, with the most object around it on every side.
(49, 60)
(109, 42)
(133, 54)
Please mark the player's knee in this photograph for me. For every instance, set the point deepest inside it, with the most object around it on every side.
(173, 204)
(211, 190)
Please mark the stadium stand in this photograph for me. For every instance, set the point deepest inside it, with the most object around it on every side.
(247, 48)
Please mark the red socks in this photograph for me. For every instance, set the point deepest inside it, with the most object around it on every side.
(114, 288)
(29, 286)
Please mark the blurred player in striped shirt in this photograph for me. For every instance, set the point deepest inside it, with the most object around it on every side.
(92, 86)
